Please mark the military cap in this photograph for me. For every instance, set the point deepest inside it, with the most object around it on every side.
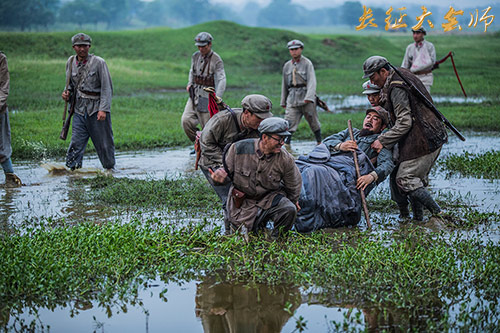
(370, 88)
(274, 125)
(373, 64)
(258, 104)
(81, 39)
(294, 44)
(421, 29)
(202, 39)
(384, 115)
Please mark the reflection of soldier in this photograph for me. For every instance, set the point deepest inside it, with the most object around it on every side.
(207, 70)
(420, 58)
(298, 91)
(5, 148)
(225, 307)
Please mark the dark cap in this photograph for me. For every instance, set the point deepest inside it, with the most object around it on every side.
(373, 64)
(258, 104)
(274, 125)
(81, 39)
(421, 29)
(202, 39)
(294, 44)
(384, 115)
(370, 88)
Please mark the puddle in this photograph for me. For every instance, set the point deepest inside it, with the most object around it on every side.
(354, 103)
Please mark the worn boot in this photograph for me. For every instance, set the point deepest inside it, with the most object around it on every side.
(12, 180)
(404, 213)
(417, 209)
(317, 135)
(424, 197)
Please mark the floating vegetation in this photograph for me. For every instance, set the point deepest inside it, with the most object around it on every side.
(485, 165)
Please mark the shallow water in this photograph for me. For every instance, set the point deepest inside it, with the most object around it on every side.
(354, 103)
(193, 307)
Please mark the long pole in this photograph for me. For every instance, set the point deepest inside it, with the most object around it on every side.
(358, 174)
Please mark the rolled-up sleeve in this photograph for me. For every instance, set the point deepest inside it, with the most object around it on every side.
(106, 87)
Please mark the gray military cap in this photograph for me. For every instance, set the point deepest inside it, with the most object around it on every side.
(258, 104)
(294, 44)
(370, 88)
(384, 115)
(203, 38)
(372, 65)
(421, 29)
(81, 39)
(274, 125)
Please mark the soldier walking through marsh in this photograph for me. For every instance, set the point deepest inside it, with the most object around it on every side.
(11, 179)
(207, 70)
(89, 79)
(298, 91)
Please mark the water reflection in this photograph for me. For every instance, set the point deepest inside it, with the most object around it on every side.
(225, 307)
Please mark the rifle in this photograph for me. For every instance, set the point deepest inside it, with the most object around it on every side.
(450, 55)
(429, 104)
(65, 124)
(358, 174)
(322, 104)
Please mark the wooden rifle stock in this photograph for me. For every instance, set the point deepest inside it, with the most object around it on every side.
(420, 95)
(358, 174)
(67, 121)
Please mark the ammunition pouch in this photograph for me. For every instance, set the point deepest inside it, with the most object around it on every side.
(207, 81)
(238, 197)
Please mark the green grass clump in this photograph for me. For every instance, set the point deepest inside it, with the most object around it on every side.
(186, 194)
(409, 270)
(485, 165)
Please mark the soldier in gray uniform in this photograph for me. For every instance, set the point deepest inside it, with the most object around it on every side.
(11, 180)
(418, 132)
(420, 58)
(266, 182)
(298, 91)
(207, 70)
(90, 80)
(224, 128)
(372, 92)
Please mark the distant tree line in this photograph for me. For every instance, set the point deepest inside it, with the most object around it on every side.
(117, 14)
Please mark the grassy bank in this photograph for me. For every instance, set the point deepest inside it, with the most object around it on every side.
(150, 68)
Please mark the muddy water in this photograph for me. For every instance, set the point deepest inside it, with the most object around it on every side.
(354, 103)
(204, 305)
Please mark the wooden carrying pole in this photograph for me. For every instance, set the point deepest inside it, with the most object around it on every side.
(358, 174)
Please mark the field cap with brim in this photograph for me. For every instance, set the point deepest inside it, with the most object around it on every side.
(370, 88)
(372, 65)
(81, 39)
(202, 39)
(274, 125)
(258, 104)
(294, 44)
(384, 115)
(421, 29)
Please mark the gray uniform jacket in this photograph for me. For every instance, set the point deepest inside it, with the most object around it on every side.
(384, 165)
(411, 53)
(261, 177)
(219, 131)
(215, 68)
(4, 82)
(96, 89)
(305, 88)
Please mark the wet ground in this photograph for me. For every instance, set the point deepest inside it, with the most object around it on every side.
(195, 306)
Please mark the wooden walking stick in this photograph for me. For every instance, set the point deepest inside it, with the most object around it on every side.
(358, 174)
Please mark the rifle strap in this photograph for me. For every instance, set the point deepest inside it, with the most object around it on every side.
(235, 119)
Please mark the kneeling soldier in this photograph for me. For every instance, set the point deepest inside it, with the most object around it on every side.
(266, 181)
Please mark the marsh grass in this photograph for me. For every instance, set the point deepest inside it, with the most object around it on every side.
(156, 61)
(411, 270)
(486, 165)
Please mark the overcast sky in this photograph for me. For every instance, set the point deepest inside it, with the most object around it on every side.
(457, 4)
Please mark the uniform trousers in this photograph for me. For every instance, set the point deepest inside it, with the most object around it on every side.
(191, 118)
(294, 114)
